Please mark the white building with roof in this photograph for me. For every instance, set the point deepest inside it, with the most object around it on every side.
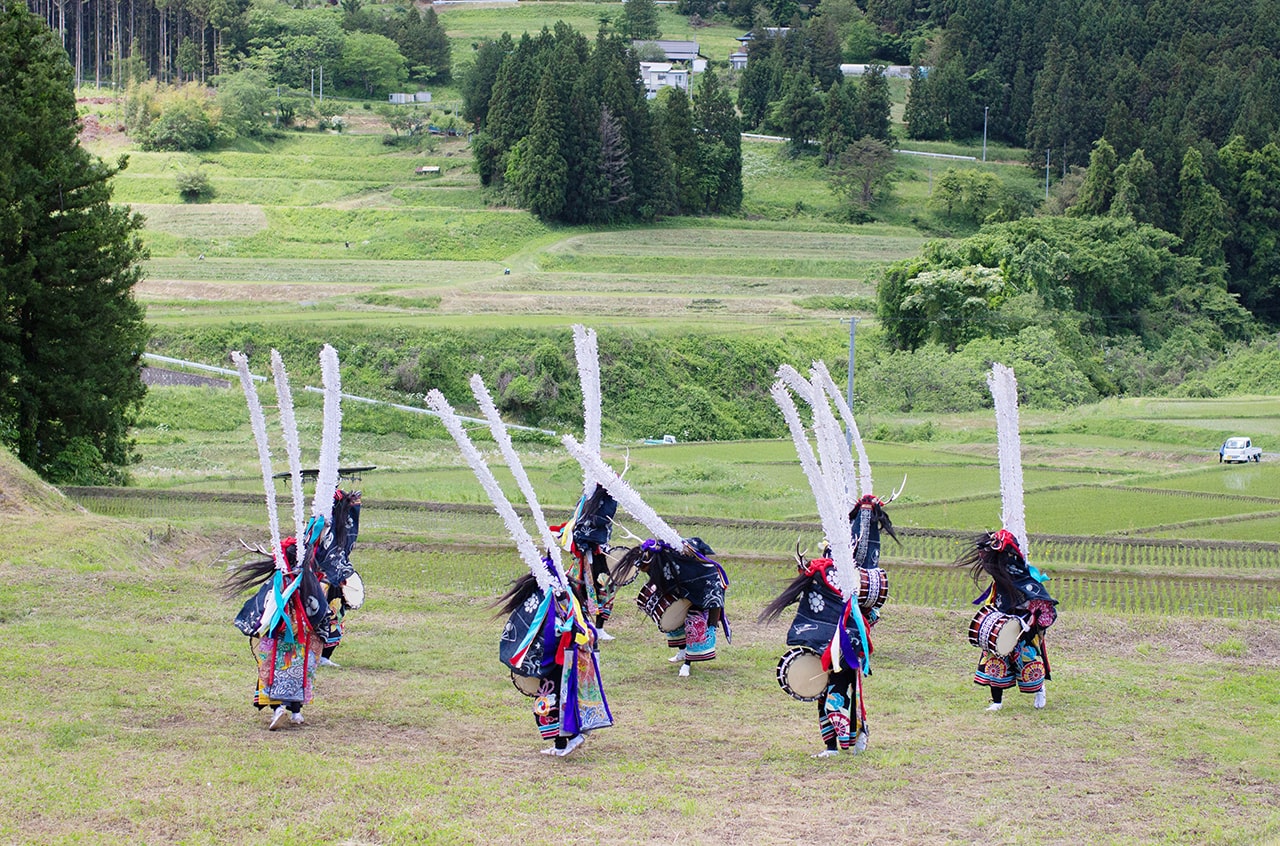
(658, 75)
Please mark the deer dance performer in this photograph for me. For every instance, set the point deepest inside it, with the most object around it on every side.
(840, 594)
(1016, 608)
(548, 644)
(685, 594)
(586, 535)
(289, 610)
(344, 589)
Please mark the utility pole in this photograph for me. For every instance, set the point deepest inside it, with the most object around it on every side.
(853, 325)
(985, 109)
(1046, 174)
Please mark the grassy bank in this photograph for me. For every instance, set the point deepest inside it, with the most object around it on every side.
(125, 719)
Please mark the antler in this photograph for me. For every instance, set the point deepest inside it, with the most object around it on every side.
(897, 491)
(254, 548)
(630, 534)
(800, 562)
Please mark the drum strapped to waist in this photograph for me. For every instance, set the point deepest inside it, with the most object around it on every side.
(668, 611)
(873, 587)
(801, 675)
(613, 555)
(995, 631)
(528, 685)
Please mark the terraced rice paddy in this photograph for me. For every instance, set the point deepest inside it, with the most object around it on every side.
(1225, 579)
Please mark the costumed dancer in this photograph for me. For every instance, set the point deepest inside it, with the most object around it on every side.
(1016, 608)
(830, 634)
(685, 593)
(343, 586)
(586, 535)
(867, 518)
(289, 610)
(548, 644)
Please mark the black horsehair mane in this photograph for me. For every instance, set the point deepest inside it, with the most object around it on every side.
(640, 559)
(521, 589)
(882, 518)
(252, 575)
(980, 560)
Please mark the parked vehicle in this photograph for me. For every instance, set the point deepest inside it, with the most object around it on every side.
(1239, 449)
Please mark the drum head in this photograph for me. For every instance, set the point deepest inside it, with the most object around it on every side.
(674, 616)
(800, 674)
(528, 685)
(1007, 639)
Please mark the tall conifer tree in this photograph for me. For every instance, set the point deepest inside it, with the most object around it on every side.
(71, 333)
(719, 146)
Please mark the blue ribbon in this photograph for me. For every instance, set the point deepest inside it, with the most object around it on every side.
(282, 602)
(851, 610)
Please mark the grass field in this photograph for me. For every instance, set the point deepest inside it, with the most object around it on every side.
(306, 206)
(125, 718)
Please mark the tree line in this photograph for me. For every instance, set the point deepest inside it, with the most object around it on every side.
(111, 41)
(793, 85)
(563, 125)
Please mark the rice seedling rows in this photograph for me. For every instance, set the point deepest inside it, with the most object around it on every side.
(1129, 576)
(940, 587)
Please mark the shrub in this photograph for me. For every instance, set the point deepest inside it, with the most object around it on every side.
(81, 463)
(183, 124)
(193, 184)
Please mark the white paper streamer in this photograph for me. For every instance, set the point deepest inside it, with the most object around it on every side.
(834, 517)
(330, 440)
(791, 377)
(503, 438)
(823, 378)
(842, 478)
(833, 454)
(289, 423)
(587, 353)
(524, 542)
(1004, 391)
(259, 424)
(600, 472)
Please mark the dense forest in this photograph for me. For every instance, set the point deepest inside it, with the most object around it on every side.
(110, 42)
(565, 126)
(1172, 107)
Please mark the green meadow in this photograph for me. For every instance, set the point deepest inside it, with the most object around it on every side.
(302, 209)
(124, 689)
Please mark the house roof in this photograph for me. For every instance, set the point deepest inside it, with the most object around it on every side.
(676, 51)
(774, 31)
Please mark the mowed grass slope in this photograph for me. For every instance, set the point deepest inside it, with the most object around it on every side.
(306, 199)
